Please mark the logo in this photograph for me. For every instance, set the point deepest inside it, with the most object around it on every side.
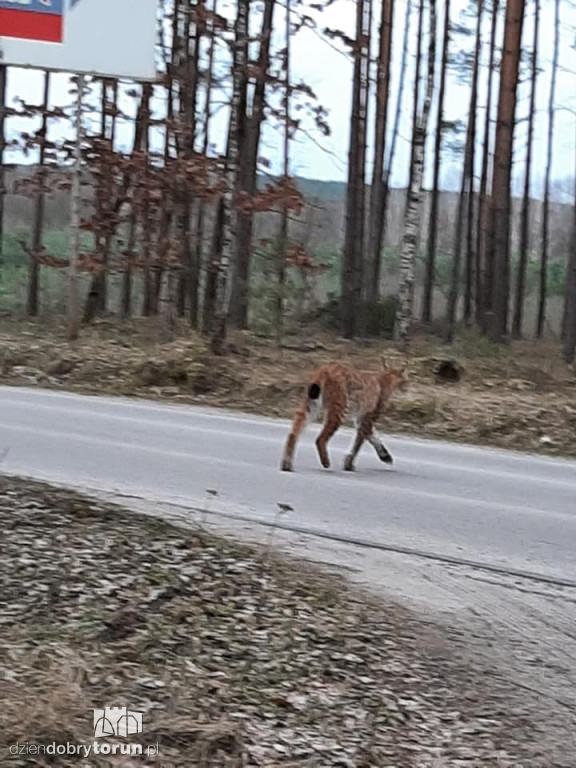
(116, 721)
(110, 721)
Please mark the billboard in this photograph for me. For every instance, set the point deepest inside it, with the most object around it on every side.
(110, 38)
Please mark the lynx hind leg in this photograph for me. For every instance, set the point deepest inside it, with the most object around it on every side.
(331, 426)
(382, 452)
(298, 426)
(288, 457)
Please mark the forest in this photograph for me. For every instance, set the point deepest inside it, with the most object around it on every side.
(456, 210)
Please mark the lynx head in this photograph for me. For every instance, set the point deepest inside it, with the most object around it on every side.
(398, 377)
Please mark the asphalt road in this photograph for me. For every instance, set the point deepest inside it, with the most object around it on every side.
(506, 510)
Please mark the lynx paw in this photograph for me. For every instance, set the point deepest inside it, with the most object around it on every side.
(287, 466)
(349, 464)
(384, 456)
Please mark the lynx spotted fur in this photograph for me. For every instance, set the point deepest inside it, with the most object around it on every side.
(339, 391)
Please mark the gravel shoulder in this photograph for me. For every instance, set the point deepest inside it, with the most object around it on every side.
(236, 654)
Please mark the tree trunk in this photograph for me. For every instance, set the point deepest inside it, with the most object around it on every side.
(188, 285)
(168, 295)
(141, 126)
(3, 79)
(433, 228)
(570, 314)
(227, 266)
(570, 301)
(96, 301)
(465, 204)
(546, 208)
(200, 219)
(409, 243)
(283, 234)
(126, 290)
(525, 215)
(454, 292)
(472, 257)
(376, 223)
(484, 245)
(351, 290)
(417, 86)
(75, 218)
(153, 272)
(503, 154)
(249, 136)
(209, 306)
(96, 297)
(39, 205)
(397, 117)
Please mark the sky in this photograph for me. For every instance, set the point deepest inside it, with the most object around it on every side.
(324, 65)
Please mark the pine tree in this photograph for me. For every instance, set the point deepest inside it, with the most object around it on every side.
(503, 154)
(526, 208)
(549, 152)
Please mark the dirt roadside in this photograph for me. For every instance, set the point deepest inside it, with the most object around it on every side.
(234, 655)
(517, 396)
(516, 634)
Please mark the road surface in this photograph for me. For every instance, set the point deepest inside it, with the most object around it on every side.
(507, 511)
(479, 542)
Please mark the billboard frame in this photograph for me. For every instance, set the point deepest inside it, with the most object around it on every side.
(81, 74)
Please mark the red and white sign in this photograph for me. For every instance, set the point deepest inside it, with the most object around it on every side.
(32, 19)
(109, 38)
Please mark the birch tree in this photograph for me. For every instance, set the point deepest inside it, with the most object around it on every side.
(415, 194)
(389, 165)
(433, 225)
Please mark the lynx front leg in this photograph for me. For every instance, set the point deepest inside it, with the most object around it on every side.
(363, 433)
(383, 453)
(351, 457)
(331, 426)
(366, 432)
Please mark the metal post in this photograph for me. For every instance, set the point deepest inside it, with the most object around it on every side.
(73, 303)
(3, 77)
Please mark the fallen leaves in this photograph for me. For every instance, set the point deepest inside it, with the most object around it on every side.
(237, 658)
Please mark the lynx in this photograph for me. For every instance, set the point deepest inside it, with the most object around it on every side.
(338, 391)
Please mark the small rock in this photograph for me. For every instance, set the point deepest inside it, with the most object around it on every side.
(61, 367)
(448, 370)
